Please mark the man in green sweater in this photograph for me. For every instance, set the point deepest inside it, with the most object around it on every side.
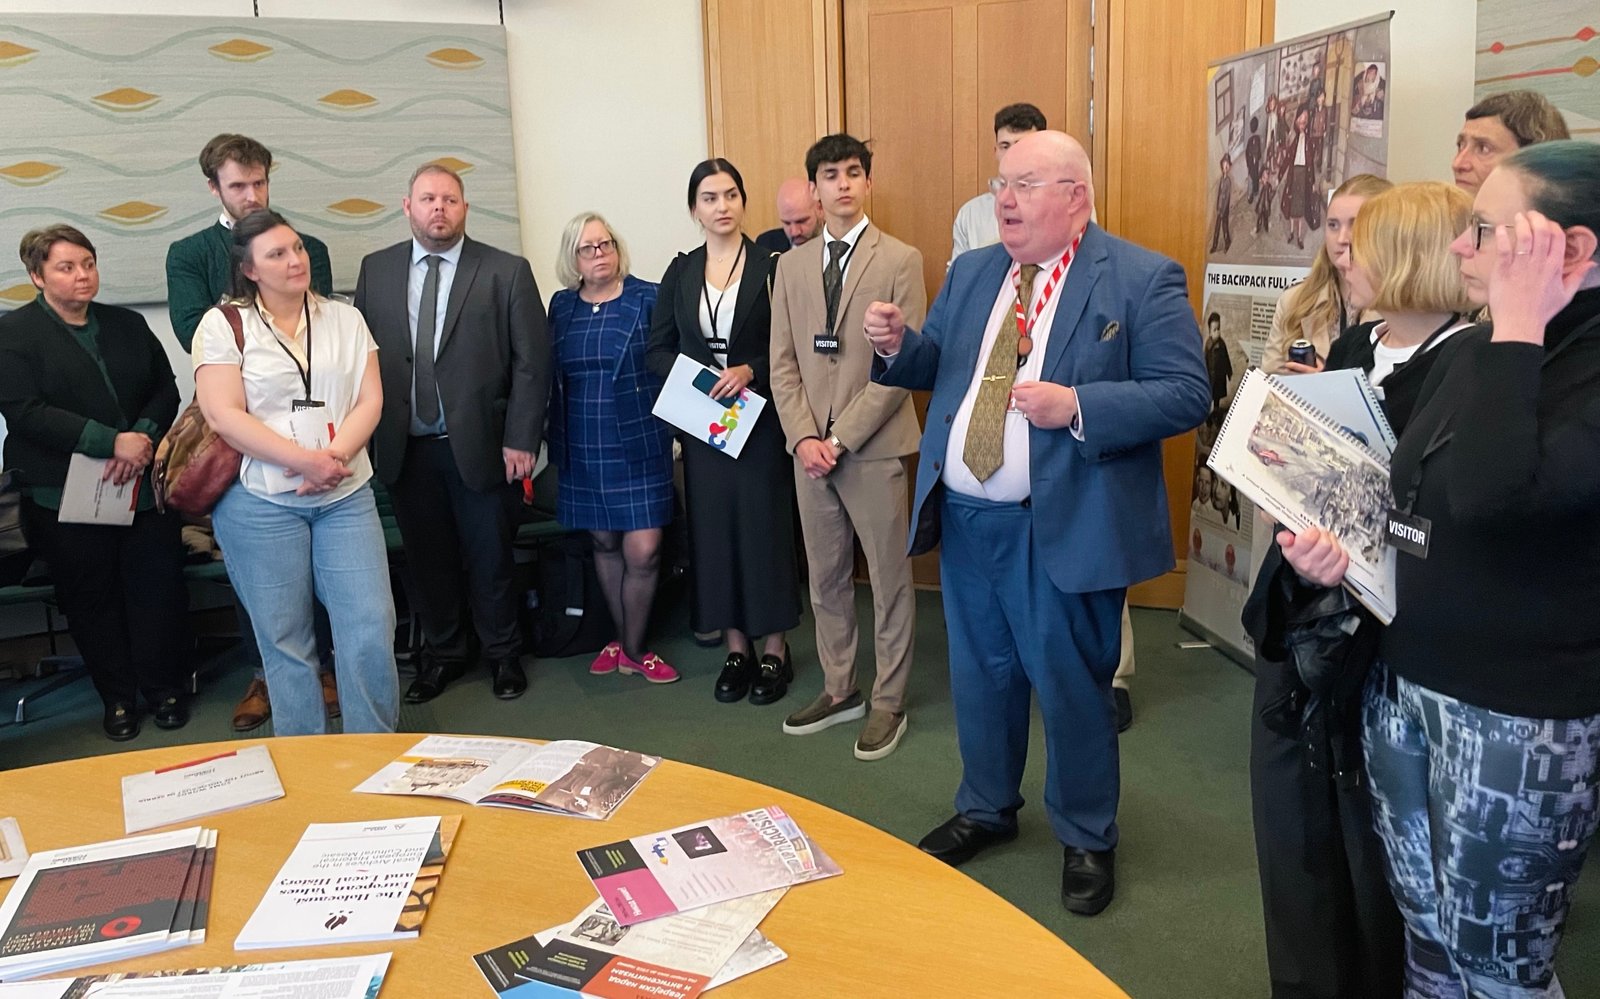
(199, 272)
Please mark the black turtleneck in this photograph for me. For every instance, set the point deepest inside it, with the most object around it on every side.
(1503, 450)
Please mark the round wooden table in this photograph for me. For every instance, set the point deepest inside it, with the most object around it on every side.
(896, 923)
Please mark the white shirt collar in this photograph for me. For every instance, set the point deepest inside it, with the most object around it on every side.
(225, 219)
(850, 237)
(452, 255)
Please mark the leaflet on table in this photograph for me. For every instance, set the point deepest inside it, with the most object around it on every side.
(695, 865)
(565, 777)
(13, 854)
(676, 956)
(88, 497)
(352, 882)
(335, 978)
(685, 402)
(199, 788)
(100, 902)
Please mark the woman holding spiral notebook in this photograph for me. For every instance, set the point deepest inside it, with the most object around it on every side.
(1482, 712)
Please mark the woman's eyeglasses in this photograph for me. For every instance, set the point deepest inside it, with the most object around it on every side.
(589, 251)
(1481, 229)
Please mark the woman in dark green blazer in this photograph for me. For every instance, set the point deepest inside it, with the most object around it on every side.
(77, 377)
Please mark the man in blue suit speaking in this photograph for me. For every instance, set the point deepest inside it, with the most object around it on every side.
(1058, 360)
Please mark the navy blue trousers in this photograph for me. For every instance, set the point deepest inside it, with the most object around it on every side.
(1013, 634)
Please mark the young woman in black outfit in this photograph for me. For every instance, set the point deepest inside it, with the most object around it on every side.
(713, 304)
(1333, 931)
(1482, 714)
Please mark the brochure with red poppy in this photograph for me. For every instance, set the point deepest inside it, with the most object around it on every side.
(102, 902)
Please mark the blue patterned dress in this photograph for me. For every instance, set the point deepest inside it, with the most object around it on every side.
(614, 458)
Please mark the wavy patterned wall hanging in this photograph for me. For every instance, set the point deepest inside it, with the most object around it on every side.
(1552, 46)
(102, 118)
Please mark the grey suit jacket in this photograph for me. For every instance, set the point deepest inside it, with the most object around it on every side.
(492, 364)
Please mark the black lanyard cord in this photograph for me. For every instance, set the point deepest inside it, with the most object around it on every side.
(705, 292)
(303, 371)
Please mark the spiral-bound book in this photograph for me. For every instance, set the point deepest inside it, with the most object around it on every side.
(1306, 468)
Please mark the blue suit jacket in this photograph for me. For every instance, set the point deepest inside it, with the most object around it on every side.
(1099, 505)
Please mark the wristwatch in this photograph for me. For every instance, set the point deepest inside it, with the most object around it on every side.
(838, 445)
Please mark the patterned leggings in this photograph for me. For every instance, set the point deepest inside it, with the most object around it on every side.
(1485, 820)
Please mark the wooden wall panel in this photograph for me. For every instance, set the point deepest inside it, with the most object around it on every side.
(773, 87)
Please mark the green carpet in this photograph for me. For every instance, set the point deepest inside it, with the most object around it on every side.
(1187, 918)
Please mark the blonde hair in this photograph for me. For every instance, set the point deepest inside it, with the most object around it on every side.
(567, 255)
(1402, 240)
(1309, 300)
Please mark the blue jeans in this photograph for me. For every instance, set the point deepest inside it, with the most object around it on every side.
(1485, 820)
(278, 558)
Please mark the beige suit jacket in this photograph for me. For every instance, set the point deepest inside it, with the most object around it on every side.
(870, 420)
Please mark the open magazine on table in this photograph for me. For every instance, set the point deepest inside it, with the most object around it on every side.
(566, 777)
(1305, 468)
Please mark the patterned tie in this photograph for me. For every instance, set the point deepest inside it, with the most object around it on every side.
(985, 449)
(427, 330)
(833, 279)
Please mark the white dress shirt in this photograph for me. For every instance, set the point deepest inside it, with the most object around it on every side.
(851, 237)
(1011, 482)
(448, 259)
(975, 226)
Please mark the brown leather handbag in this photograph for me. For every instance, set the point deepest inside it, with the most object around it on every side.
(194, 466)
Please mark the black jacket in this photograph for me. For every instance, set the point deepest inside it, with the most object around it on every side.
(675, 324)
(50, 387)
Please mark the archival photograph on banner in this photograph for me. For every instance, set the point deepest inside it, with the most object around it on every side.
(1287, 125)
(1543, 45)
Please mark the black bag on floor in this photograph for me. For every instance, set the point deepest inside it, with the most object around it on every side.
(565, 612)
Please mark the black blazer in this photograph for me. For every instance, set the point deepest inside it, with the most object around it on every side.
(492, 366)
(675, 325)
(50, 387)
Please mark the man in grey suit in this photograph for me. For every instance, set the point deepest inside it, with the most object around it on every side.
(465, 355)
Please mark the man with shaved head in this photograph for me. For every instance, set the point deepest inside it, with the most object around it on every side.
(799, 217)
(1059, 360)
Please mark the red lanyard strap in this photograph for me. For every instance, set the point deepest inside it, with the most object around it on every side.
(1025, 324)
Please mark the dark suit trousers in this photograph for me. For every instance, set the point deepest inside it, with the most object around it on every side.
(1333, 931)
(1014, 634)
(458, 542)
(126, 602)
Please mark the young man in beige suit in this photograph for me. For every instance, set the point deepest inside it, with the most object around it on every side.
(850, 439)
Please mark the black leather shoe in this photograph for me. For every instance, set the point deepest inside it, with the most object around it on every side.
(431, 680)
(1088, 880)
(509, 680)
(172, 712)
(1124, 708)
(773, 677)
(121, 721)
(734, 680)
(961, 839)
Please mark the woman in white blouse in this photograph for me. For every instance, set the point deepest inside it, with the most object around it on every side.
(299, 404)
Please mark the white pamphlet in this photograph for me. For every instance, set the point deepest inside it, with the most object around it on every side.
(345, 882)
(199, 788)
(685, 403)
(13, 854)
(311, 429)
(333, 978)
(88, 497)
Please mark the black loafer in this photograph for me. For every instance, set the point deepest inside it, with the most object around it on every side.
(431, 681)
(172, 712)
(734, 680)
(1088, 880)
(509, 680)
(960, 839)
(773, 677)
(121, 721)
(1124, 708)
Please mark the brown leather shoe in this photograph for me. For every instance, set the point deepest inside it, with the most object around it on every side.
(330, 694)
(254, 709)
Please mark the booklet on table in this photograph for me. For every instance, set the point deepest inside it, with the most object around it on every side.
(199, 788)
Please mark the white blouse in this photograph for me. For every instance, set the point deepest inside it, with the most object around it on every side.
(341, 345)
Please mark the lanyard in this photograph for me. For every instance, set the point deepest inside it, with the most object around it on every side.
(706, 294)
(304, 371)
(1024, 324)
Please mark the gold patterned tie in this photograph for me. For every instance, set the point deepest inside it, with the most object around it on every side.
(985, 449)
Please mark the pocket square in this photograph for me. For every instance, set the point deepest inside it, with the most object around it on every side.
(1110, 332)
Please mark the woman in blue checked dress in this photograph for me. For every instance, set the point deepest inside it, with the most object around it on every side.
(614, 457)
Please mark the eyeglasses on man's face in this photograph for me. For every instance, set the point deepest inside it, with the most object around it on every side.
(1023, 189)
(589, 251)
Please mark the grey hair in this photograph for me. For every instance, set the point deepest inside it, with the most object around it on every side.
(567, 255)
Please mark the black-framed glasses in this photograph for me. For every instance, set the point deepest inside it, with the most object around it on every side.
(589, 251)
(1024, 188)
(1479, 229)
